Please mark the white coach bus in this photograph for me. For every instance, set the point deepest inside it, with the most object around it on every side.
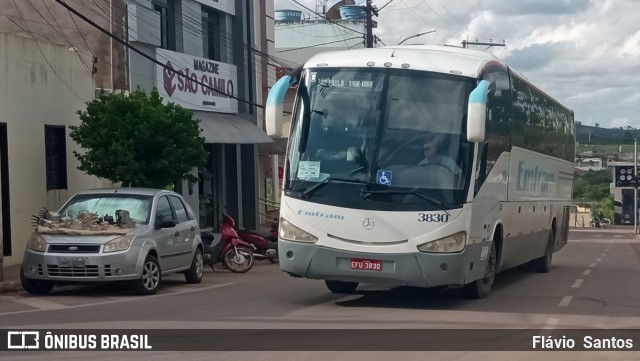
(421, 166)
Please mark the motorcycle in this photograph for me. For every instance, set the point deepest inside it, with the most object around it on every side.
(234, 253)
(265, 244)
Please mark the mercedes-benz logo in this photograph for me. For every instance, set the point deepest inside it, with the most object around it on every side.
(368, 224)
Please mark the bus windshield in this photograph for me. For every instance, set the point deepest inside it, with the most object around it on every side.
(385, 139)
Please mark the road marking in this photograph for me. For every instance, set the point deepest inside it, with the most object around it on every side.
(566, 300)
(586, 272)
(550, 324)
(618, 236)
(602, 255)
(592, 265)
(124, 299)
(40, 303)
(577, 283)
(598, 259)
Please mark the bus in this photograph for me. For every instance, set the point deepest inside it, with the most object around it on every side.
(360, 205)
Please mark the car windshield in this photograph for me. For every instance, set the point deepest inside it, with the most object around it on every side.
(109, 205)
(396, 136)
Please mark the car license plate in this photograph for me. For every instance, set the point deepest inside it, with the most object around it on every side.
(72, 262)
(366, 264)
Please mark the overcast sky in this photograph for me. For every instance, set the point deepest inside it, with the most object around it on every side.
(584, 53)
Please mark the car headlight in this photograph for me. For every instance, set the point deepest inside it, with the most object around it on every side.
(292, 233)
(449, 244)
(37, 243)
(121, 243)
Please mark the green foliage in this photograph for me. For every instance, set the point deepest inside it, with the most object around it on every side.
(592, 188)
(138, 140)
(605, 207)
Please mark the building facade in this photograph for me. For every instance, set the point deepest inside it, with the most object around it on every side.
(202, 55)
(53, 62)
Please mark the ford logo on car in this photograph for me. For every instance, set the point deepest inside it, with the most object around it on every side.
(73, 248)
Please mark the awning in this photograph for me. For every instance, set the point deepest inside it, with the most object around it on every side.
(230, 129)
(279, 146)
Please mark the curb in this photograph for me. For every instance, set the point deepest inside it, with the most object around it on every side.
(10, 286)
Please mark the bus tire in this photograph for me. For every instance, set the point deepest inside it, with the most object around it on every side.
(341, 286)
(543, 264)
(482, 287)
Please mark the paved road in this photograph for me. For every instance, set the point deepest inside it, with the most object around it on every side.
(594, 283)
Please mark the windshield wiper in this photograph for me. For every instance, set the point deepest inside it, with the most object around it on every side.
(327, 181)
(367, 195)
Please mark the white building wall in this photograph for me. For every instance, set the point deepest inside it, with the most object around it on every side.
(32, 95)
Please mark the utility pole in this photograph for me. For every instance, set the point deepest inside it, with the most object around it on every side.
(370, 11)
(465, 43)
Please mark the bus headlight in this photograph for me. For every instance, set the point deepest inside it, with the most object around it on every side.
(449, 244)
(290, 232)
(37, 243)
(121, 243)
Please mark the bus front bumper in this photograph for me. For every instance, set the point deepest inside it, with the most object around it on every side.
(409, 269)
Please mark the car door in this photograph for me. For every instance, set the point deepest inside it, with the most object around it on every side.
(166, 238)
(185, 229)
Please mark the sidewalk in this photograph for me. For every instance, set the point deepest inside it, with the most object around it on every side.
(11, 281)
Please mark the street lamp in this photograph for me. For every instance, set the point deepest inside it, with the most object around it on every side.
(416, 35)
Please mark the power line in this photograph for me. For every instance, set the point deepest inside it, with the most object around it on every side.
(141, 53)
(316, 45)
(329, 20)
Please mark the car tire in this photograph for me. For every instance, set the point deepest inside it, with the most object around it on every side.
(341, 286)
(149, 281)
(194, 274)
(543, 264)
(482, 287)
(35, 287)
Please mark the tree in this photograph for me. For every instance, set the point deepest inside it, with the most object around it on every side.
(138, 140)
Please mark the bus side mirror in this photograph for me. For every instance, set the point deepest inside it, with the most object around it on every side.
(275, 103)
(477, 112)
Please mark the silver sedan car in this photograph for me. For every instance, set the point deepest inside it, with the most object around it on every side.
(121, 234)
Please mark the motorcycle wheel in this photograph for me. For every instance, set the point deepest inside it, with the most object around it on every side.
(238, 263)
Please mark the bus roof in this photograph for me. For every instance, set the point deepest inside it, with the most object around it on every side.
(442, 59)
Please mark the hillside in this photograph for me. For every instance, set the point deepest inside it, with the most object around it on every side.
(586, 134)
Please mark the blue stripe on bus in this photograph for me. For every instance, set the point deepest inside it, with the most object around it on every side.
(479, 94)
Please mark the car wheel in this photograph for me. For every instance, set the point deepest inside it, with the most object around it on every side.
(35, 287)
(194, 274)
(148, 283)
(482, 287)
(543, 264)
(341, 286)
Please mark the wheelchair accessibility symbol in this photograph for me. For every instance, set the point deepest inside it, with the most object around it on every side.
(384, 177)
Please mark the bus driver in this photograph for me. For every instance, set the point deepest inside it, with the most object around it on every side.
(433, 154)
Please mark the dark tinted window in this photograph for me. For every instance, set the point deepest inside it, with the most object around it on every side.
(163, 210)
(178, 207)
(56, 156)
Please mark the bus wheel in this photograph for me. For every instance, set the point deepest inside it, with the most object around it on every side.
(543, 264)
(482, 287)
(341, 287)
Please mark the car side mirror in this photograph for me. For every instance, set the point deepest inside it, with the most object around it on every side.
(166, 223)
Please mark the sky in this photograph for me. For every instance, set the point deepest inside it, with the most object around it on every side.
(584, 53)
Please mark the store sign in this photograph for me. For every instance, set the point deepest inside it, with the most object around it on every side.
(197, 83)
(228, 6)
